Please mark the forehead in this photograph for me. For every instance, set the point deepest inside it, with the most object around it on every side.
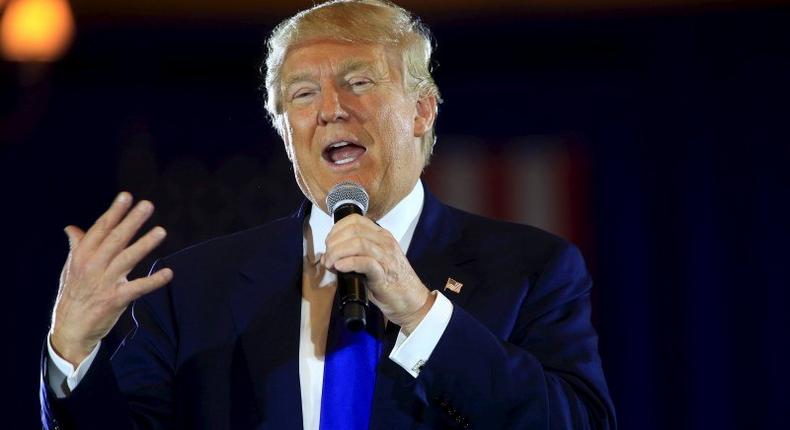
(319, 57)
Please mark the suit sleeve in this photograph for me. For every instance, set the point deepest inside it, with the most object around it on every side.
(546, 375)
(128, 387)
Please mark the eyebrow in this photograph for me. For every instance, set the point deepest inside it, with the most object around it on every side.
(346, 67)
(354, 65)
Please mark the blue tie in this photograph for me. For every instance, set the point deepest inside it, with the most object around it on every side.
(350, 372)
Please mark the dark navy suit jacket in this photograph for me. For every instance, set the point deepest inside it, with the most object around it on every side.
(218, 347)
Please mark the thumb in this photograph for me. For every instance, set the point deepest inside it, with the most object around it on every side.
(75, 235)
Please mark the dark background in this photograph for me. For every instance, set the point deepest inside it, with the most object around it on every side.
(681, 114)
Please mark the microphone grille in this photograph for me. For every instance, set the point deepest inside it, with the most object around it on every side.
(347, 192)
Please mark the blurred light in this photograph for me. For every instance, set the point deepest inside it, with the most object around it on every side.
(36, 30)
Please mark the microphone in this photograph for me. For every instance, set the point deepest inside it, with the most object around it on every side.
(344, 199)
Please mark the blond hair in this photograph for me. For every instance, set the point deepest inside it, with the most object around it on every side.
(366, 21)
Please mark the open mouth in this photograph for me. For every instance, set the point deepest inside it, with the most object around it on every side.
(343, 152)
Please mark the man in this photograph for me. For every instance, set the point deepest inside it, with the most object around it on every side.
(242, 337)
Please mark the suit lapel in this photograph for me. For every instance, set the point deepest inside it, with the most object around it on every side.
(266, 308)
(437, 251)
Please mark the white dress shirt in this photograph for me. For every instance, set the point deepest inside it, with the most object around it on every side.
(318, 288)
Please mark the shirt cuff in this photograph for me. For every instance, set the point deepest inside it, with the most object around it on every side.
(61, 375)
(413, 351)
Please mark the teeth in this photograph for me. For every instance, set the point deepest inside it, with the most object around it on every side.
(338, 145)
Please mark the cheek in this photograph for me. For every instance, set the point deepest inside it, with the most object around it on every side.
(298, 131)
(398, 129)
(297, 122)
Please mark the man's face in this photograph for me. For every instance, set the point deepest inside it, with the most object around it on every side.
(348, 116)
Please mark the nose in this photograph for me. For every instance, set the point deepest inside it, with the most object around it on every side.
(330, 107)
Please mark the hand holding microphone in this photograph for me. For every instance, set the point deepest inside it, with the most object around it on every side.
(349, 198)
(358, 247)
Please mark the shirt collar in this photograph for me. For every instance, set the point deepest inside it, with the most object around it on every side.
(400, 221)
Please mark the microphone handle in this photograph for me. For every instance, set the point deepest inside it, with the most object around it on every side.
(353, 300)
(351, 291)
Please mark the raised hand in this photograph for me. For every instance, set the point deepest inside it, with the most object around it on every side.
(93, 290)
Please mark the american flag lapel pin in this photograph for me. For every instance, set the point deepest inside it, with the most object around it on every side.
(453, 285)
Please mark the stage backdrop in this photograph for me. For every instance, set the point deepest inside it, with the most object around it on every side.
(655, 138)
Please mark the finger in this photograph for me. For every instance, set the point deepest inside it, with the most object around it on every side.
(124, 262)
(75, 235)
(120, 236)
(96, 234)
(359, 227)
(368, 266)
(356, 220)
(354, 246)
(131, 291)
(385, 244)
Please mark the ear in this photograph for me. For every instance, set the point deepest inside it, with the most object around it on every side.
(424, 115)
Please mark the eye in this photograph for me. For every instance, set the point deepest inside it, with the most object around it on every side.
(358, 84)
(302, 95)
